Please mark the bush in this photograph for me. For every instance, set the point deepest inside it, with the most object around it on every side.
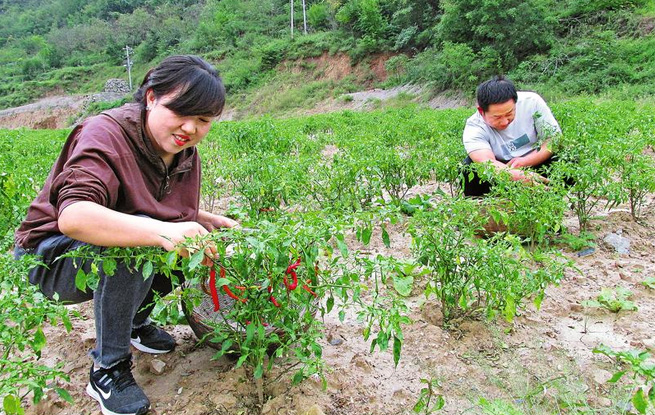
(456, 66)
(514, 29)
(318, 16)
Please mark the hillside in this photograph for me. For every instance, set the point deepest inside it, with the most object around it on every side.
(62, 111)
(273, 64)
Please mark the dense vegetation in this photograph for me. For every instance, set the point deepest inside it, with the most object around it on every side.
(318, 190)
(570, 46)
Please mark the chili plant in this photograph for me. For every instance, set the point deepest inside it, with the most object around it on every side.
(533, 211)
(640, 366)
(637, 178)
(613, 300)
(398, 170)
(429, 400)
(589, 165)
(22, 337)
(468, 275)
(346, 184)
(267, 284)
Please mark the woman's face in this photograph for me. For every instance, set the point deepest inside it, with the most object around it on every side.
(169, 132)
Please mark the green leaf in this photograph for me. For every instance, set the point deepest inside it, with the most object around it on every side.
(147, 270)
(462, 302)
(39, 340)
(639, 401)
(329, 304)
(109, 266)
(241, 360)
(341, 244)
(441, 402)
(618, 375)
(80, 280)
(11, 405)
(366, 235)
(196, 259)
(298, 377)
(250, 332)
(510, 309)
(63, 394)
(385, 237)
(539, 298)
(171, 257)
(403, 284)
(397, 346)
(420, 404)
(259, 371)
(225, 346)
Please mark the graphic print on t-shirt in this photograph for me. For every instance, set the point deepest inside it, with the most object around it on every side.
(518, 142)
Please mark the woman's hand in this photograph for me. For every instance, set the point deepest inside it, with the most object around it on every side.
(174, 233)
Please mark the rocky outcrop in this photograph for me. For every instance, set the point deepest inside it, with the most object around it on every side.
(117, 85)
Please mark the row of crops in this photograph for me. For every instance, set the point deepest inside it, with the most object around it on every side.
(312, 194)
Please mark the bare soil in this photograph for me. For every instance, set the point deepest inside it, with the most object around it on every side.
(546, 352)
(52, 112)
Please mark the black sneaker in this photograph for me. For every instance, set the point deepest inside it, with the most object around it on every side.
(116, 390)
(151, 339)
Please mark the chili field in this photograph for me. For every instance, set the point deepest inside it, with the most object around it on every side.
(362, 282)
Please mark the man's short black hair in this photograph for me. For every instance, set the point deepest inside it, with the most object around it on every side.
(495, 91)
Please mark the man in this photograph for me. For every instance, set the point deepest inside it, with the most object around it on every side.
(510, 131)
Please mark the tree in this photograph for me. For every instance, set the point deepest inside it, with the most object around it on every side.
(513, 28)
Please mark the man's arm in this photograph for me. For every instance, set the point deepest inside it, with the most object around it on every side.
(487, 156)
(534, 158)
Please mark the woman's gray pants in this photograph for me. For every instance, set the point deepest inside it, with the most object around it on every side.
(121, 302)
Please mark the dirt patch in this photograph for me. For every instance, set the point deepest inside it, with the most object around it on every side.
(53, 112)
(337, 67)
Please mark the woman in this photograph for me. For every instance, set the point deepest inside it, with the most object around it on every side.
(127, 177)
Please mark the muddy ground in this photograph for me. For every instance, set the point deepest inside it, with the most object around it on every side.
(545, 356)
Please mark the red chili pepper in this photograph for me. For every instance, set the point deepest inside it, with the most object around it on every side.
(293, 266)
(309, 290)
(294, 279)
(232, 295)
(212, 289)
(273, 299)
(227, 289)
(294, 276)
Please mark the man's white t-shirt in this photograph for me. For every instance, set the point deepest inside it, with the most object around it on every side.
(533, 121)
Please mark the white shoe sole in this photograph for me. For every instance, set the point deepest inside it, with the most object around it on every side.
(147, 349)
(94, 394)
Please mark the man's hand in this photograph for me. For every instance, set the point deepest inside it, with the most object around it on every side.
(518, 162)
(527, 176)
(211, 221)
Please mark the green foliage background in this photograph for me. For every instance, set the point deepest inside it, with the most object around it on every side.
(564, 47)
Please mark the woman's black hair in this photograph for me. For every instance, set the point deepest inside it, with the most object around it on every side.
(495, 91)
(197, 86)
